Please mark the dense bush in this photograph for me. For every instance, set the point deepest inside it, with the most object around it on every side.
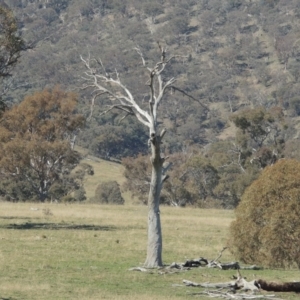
(80, 194)
(67, 199)
(267, 226)
(108, 193)
(14, 190)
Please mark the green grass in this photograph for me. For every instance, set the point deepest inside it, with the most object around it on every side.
(85, 251)
(103, 171)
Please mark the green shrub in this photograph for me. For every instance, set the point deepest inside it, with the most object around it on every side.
(68, 199)
(80, 194)
(153, 8)
(56, 191)
(15, 190)
(108, 193)
(267, 226)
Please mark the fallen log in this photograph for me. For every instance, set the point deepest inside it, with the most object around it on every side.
(219, 285)
(215, 263)
(278, 287)
(230, 266)
(230, 296)
(140, 269)
(197, 262)
(253, 267)
(203, 262)
(253, 286)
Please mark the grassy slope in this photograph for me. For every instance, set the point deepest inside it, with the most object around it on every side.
(103, 171)
(85, 251)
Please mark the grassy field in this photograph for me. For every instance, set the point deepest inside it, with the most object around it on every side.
(57, 251)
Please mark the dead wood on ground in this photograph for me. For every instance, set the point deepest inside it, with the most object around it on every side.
(231, 289)
(278, 287)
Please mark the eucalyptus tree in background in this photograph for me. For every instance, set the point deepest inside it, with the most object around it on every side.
(11, 46)
(36, 140)
(110, 87)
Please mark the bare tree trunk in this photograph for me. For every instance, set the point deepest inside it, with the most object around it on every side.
(154, 248)
(124, 101)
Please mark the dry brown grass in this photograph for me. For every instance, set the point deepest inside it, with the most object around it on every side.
(85, 251)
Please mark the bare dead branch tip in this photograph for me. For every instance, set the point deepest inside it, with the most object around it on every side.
(139, 52)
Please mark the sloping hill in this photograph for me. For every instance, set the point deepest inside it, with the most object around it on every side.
(103, 171)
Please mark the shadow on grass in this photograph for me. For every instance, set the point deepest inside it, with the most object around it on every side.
(12, 218)
(57, 226)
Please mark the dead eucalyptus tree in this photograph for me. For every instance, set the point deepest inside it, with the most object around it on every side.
(111, 87)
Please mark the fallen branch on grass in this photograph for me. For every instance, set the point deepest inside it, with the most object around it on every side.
(219, 285)
(199, 262)
(241, 284)
(226, 295)
(230, 289)
(140, 269)
(203, 262)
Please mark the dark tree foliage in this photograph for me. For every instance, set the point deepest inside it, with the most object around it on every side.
(191, 181)
(261, 135)
(11, 46)
(11, 43)
(228, 67)
(267, 226)
(36, 141)
(71, 184)
(203, 178)
(115, 142)
(108, 193)
(137, 173)
(15, 190)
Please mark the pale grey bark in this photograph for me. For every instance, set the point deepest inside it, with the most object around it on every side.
(154, 247)
(124, 101)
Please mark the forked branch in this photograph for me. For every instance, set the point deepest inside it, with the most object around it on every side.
(103, 84)
(110, 85)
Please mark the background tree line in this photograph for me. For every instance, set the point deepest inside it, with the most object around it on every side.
(241, 69)
(37, 160)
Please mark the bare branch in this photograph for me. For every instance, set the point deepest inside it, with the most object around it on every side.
(237, 150)
(123, 96)
(93, 103)
(122, 107)
(162, 91)
(99, 61)
(163, 132)
(164, 178)
(220, 254)
(123, 99)
(166, 167)
(190, 96)
(163, 51)
(124, 117)
(139, 52)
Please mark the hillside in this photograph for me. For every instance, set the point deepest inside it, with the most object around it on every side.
(239, 60)
(239, 54)
(103, 171)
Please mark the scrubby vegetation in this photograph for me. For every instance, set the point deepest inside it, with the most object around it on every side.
(108, 193)
(36, 151)
(240, 67)
(267, 226)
